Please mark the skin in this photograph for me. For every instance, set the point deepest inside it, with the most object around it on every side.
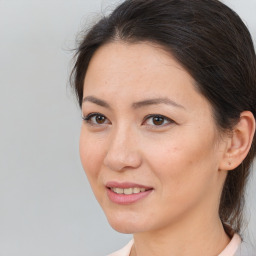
(182, 159)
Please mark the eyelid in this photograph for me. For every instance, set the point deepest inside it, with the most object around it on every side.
(89, 116)
(170, 121)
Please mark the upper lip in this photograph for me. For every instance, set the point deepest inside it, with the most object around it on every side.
(115, 184)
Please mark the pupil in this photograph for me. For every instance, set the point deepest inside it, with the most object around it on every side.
(100, 119)
(158, 120)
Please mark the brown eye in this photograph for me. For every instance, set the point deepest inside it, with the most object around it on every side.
(100, 119)
(155, 120)
(158, 120)
(96, 119)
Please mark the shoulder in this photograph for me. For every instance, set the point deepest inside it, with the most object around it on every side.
(125, 251)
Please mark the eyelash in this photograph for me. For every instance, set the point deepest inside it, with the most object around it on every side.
(166, 120)
(88, 118)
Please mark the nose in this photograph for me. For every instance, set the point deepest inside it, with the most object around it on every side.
(123, 152)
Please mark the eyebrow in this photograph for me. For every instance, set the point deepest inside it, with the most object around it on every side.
(156, 101)
(136, 105)
(96, 101)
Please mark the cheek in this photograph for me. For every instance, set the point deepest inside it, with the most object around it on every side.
(91, 155)
(184, 166)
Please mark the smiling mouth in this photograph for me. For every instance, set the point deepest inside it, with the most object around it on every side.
(128, 191)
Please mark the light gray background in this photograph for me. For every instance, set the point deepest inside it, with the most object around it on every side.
(46, 206)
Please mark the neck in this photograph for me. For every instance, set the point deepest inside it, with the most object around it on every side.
(201, 236)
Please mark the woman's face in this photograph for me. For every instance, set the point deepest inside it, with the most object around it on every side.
(149, 144)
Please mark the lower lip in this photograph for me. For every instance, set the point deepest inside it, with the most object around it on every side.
(126, 199)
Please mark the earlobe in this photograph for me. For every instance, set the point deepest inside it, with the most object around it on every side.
(240, 142)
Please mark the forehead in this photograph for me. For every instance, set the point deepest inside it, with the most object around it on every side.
(138, 66)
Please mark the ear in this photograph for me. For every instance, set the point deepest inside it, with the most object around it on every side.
(239, 143)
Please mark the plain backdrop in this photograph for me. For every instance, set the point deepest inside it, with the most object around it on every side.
(46, 205)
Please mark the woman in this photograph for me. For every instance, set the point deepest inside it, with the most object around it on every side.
(167, 90)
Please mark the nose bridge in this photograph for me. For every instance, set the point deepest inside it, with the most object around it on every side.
(123, 150)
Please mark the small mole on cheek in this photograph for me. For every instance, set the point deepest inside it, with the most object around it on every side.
(190, 162)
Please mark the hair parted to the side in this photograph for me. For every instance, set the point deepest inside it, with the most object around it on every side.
(212, 43)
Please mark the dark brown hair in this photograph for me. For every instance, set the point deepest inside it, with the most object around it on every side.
(212, 43)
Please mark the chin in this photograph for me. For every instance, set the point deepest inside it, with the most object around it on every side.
(126, 223)
(125, 229)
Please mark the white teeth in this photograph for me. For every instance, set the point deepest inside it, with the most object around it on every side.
(118, 190)
(136, 190)
(128, 191)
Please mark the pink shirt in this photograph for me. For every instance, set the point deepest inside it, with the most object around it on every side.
(230, 250)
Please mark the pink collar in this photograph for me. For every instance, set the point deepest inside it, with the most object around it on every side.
(230, 250)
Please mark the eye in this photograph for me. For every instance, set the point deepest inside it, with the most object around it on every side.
(96, 119)
(157, 120)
